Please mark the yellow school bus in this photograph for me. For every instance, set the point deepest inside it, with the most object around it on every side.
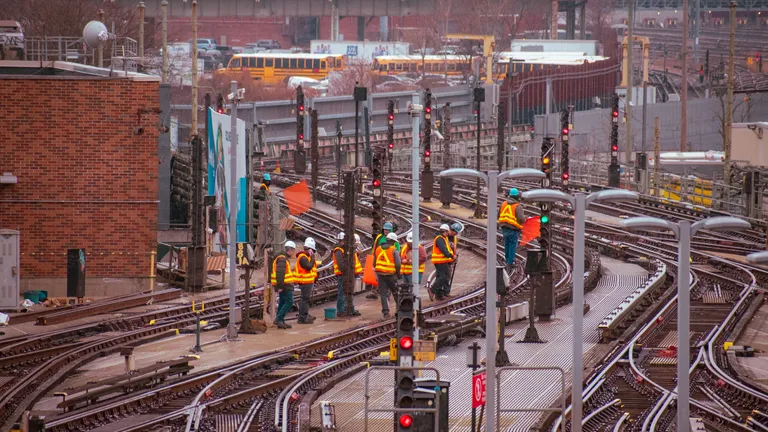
(276, 68)
(451, 65)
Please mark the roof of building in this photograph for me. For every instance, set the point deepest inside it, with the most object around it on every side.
(46, 69)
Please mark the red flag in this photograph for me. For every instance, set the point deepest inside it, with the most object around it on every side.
(531, 230)
(369, 274)
(298, 198)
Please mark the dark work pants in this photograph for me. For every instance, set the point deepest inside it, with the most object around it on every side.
(511, 240)
(285, 302)
(441, 287)
(387, 283)
(306, 295)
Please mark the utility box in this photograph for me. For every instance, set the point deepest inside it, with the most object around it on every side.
(10, 268)
(429, 387)
(76, 273)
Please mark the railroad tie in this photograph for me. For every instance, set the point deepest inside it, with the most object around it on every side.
(663, 361)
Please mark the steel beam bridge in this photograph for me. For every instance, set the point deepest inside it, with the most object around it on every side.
(288, 8)
(705, 4)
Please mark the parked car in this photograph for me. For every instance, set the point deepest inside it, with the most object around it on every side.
(208, 44)
(268, 44)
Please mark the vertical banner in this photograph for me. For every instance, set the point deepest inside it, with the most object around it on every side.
(219, 183)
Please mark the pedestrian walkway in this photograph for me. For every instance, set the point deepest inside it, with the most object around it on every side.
(519, 390)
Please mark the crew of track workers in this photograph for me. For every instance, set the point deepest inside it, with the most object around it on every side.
(391, 262)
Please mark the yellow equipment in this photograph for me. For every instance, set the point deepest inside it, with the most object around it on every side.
(489, 44)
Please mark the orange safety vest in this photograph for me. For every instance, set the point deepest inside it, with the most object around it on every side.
(337, 270)
(407, 269)
(437, 256)
(265, 187)
(385, 260)
(507, 215)
(289, 278)
(302, 276)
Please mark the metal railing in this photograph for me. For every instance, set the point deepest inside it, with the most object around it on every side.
(500, 410)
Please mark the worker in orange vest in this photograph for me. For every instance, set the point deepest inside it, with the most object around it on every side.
(282, 280)
(443, 256)
(339, 268)
(406, 256)
(511, 218)
(386, 264)
(306, 276)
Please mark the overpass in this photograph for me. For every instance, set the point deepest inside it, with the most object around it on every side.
(289, 8)
(718, 5)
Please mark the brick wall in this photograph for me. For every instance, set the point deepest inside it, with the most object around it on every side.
(85, 179)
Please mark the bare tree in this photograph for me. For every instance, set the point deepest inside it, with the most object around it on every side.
(342, 83)
(741, 110)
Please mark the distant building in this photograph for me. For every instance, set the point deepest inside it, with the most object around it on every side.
(81, 144)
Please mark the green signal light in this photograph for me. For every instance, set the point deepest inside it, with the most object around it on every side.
(544, 219)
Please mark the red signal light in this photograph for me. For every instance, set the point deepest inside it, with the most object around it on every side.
(615, 113)
(475, 112)
(406, 421)
(614, 148)
(391, 117)
(301, 136)
(301, 107)
(376, 183)
(427, 153)
(428, 110)
(565, 176)
(391, 146)
(565, 131)
(406, 343)
(220, 111)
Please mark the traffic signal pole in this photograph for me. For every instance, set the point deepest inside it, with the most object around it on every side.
(415, 125)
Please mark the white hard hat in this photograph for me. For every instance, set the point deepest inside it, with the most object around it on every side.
(392, 236)
(310, 243)
(444, 227)
(290, 245)
(340, 236)
(357, 238)
(409, 237)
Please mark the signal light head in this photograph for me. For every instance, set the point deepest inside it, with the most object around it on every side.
(301, 107)
(220, 111)
(615, 113)
(428, 110)
(565, 176)
(545, 219)
(376, 183)
(614, 148)
(565, 131)
(545, 160)
(427, 153)
(301, 136)
(391, 117)
(406, 343)
(391, 146)
(406, 421)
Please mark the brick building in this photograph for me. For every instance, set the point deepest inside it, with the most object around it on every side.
(83, 147)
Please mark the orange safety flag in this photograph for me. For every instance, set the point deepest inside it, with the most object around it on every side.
(531, 230)
(369, 274)
(298, 198)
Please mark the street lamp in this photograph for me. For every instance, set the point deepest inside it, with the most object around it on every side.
(758, 258)
(492, 179)
(579, 202)
(684, 230)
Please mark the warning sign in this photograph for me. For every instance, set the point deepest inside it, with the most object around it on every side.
(393, 349)
(424, 350)
(478, 388)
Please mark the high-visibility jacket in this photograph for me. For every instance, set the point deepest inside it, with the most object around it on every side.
(265, 187)
(407, 269)
(289, 279)
(303, 276)
(437, 256)
(385, 260)
(337, 270)
(507, 215)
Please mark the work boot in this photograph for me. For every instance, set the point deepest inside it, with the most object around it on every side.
(301, 321)
(311, 317)
(372, 296)
(282, 325)
(386, 315)
(356, 313)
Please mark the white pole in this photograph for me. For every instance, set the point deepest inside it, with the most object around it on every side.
(490, 306)
(164, 5)
(415, 161)
(233, 203)
(194, 68)
(580, 205)
(683, 326)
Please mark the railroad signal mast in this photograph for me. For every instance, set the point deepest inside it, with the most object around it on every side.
(220, 104)
(300, 158)
(547, 150)
(613, 169)
(404, 379)
(564, 134)
(376, 189)
(390, 132)
(426, 173)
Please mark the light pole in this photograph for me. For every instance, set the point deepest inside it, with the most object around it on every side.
(684, 230)
(579, 203)
(492, 179)
(758, 258)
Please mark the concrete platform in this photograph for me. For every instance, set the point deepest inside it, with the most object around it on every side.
(520, 390)
(756, 336)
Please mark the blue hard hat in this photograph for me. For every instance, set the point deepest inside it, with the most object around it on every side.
(388, 226)
(514, 192)
(456, 227)
(267, 177)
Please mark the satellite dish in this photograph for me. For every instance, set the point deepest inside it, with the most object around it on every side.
(95, 34)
